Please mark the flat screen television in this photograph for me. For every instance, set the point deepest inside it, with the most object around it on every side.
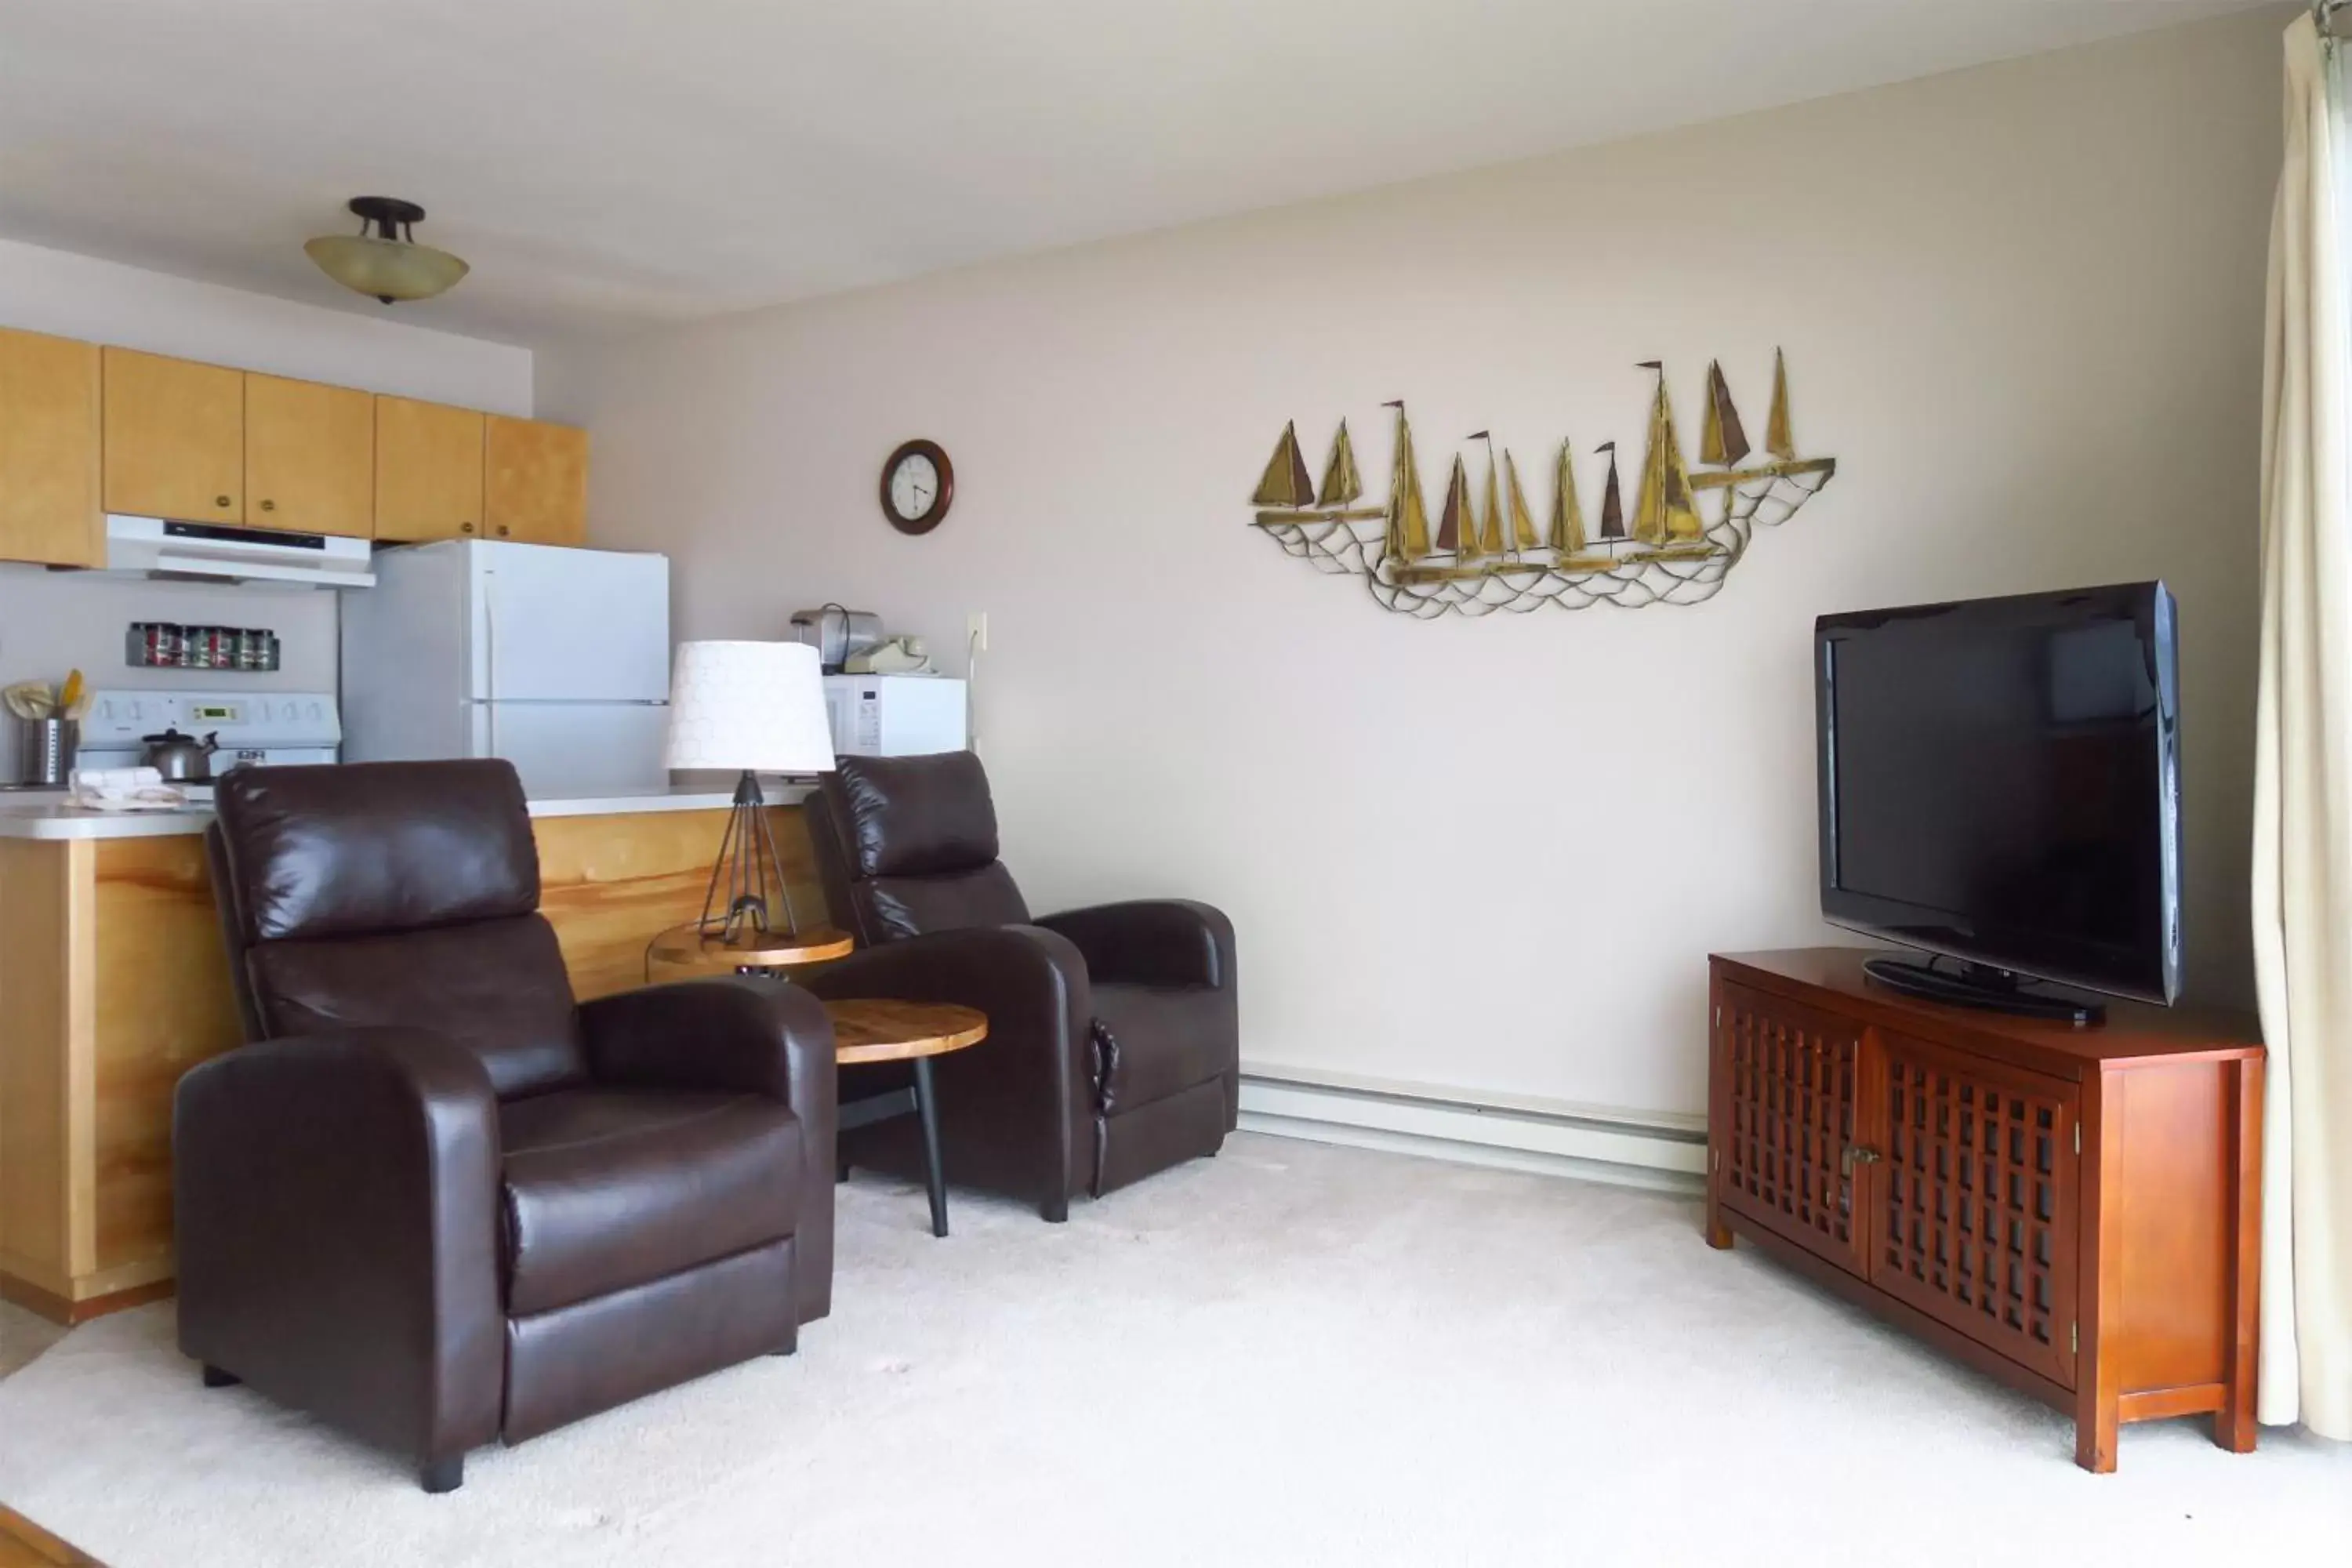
(2000, 785)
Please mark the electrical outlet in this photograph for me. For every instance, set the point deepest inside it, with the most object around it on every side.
(976, 630)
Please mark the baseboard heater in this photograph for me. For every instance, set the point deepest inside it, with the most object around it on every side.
(1646, 1149)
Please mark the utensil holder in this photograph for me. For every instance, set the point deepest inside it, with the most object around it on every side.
(45, 750)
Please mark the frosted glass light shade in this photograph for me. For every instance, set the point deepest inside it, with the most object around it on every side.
(388, 269)
(749, 706)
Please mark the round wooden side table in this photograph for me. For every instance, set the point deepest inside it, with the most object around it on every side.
(865, 1031)
(685, 947)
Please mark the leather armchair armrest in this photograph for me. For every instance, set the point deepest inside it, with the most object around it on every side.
(1018, 1107)
(751, 1036)
(743, 1033)
(336, 1202)
(1152, 941)
(1024, 978)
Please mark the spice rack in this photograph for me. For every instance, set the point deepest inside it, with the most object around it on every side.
(167, 645)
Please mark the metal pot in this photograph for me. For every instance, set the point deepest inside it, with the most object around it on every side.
(181, 758)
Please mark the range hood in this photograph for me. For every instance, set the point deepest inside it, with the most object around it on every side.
(161, 548)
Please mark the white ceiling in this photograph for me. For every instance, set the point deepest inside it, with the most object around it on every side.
(606, 161)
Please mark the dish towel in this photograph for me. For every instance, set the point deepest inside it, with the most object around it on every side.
(124, 789)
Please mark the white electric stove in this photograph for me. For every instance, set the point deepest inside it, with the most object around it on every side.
(272, 727)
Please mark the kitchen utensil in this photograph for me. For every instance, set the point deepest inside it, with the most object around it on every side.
(45, 751)
(837, 634)
(71, 694)
(30, 700)
(181, 758)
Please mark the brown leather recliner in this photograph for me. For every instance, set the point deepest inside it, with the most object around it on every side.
(1113, 1047)
(436, 1203)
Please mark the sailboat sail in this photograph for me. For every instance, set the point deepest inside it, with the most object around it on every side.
(1664, 513)
(1778, 440)
(1725, 440)
(1566, 515)
(1490, 532)
(1613, 507)
(1457, 524)
(1341, 483)
(1408, 519)
(1286, 482)
(1523, 527)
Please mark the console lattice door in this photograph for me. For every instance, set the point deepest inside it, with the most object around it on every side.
(1976, 1202)
(1792, 1077)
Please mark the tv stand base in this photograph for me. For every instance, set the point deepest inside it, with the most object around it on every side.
(1995, 990)
(2075, 1211)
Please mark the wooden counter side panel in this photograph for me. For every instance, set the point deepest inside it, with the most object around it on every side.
(609, 884)
(38, 1118)
(163, 1004)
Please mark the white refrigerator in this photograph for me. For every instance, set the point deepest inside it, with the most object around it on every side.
(554, 659)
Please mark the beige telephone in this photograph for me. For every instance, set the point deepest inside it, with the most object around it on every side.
(895, 655)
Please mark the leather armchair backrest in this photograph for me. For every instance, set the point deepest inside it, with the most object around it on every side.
(395, 893)
(370, 848)
(908, 845)
(892, 907)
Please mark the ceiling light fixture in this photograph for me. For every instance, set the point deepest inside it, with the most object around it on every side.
(388, 263)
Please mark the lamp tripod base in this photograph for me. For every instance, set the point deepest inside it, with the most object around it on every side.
(746, 881)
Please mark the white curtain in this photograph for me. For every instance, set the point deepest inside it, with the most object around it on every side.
(2302, 765)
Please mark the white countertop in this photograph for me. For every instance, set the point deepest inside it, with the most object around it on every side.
(44, 814)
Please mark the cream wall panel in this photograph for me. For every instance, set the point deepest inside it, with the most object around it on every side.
(2022, 306)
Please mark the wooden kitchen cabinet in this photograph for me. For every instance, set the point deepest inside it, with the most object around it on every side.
(535, 482)
(49, 451)
(428, 470)
(310, 457)
(174, 438)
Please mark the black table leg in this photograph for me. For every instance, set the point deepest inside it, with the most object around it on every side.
(926, 1106)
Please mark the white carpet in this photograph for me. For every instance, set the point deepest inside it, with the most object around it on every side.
(1292, 1354)
(23, 1337)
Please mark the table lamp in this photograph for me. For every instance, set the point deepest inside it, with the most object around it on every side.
(755, 707)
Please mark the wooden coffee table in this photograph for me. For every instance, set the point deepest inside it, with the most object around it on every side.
(868, 1031)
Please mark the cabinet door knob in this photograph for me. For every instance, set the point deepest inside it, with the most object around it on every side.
(1857, 1154)
(269, 506)
(220, 500)
(464, 528)
(502, 530)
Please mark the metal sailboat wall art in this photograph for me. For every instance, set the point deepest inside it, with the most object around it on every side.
(1485, 553)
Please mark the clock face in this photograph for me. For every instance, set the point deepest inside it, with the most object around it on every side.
(918, 484)
(913, 484)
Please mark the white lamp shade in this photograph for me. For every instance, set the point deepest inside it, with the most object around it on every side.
(749, 706)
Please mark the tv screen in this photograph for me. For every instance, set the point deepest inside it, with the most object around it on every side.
(1999, 783)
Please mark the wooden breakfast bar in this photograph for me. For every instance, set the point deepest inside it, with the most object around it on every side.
(113, 982)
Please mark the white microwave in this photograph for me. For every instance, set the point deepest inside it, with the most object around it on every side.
(896, 715)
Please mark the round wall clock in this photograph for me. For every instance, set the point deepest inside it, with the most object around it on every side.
(918, 483)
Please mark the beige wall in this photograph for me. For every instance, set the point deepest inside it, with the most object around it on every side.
(2023, 307)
